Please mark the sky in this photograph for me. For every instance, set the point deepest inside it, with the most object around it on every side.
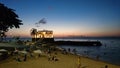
(67, 17)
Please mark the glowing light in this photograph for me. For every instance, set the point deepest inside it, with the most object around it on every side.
(44, 34)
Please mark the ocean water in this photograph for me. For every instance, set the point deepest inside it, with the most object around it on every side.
(109, 51)
(23, 39)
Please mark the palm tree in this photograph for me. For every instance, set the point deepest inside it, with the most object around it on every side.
(33, 33)
(8, 19)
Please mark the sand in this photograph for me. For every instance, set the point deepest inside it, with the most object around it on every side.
(65, 61)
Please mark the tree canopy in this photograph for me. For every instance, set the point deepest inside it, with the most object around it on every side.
(8, 19)
(33, 31)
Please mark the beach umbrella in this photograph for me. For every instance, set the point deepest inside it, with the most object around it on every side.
(37, 51)
(0, 54)
(16, 51)
(24, 52)
(3, 50)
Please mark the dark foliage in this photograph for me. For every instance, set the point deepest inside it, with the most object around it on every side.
(8, 19)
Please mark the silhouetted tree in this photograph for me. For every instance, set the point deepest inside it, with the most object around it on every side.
(2, 35)
(33, 33)
(8, 19)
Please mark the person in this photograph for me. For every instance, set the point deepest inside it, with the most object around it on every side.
(49, 51)
(55, 58)
(18, 58)
(79, 62)
(11, 53)
(31, 54)
(16, 51)
(64, 51)
(25, 57)
(49, 57)
(74, 51)
(69, 50)
(97, 57)
(38, 55)
(106, 66)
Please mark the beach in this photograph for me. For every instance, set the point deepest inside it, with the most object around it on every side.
(59, 34)
(65, 61)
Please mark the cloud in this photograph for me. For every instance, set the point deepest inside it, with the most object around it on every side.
(42, 21)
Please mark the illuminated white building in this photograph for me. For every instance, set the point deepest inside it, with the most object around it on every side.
(45, 34)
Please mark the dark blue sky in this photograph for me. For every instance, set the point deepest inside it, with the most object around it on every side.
(68, 17)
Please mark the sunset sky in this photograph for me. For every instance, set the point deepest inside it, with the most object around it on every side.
(67, 17)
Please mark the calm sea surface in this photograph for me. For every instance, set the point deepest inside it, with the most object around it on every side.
(108, 52)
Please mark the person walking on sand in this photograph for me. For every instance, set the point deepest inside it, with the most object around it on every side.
(79, 62)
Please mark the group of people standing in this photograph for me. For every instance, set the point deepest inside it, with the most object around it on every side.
(64, 51)
(17, 55)
(52, 56)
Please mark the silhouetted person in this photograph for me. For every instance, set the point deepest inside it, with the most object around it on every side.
(49, 51)
(11, 53)
(38, 55)
(106, 66)
(18, 58)
(55, 58)
(74, 51)
(31, 54)
(97, 57)
(49, 57)
(69, 50)
(25, 57)
(65, 52)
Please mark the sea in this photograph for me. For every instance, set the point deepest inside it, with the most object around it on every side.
(109, 51)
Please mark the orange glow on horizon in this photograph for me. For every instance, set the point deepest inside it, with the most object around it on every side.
(70, 35)
(64, 33)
